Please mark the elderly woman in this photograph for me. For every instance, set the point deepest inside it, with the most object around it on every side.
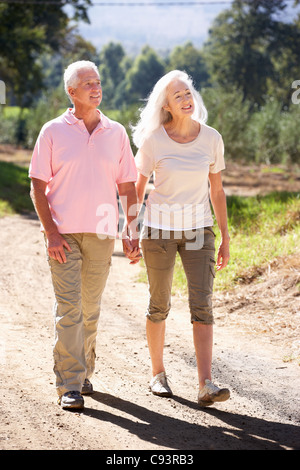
(186, 156)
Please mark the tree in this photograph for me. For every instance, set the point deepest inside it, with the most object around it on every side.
(26, 32)
(112, 70)
(244, 45)
(142, 76)
(189, 59)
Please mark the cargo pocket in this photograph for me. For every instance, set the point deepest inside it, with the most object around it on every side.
(212, 273)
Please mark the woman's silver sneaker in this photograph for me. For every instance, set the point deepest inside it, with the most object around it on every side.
(159, 385)
(210, 393)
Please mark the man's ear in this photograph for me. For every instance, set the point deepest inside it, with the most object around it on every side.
(71, 91)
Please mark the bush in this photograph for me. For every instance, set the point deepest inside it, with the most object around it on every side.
(21, 127)
(264, 131)
(47, 108)
(8, 127)
(229, 114)
(289, 135)
(263, 135)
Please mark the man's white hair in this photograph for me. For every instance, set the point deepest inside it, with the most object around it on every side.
(153, 115)
(71, 73)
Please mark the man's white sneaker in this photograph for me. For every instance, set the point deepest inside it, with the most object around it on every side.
(210, 393)
(159, 385)
(71, 400)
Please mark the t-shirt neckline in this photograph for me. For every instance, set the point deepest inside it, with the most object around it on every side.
(183, 143)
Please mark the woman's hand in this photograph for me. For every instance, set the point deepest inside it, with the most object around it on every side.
(223, 254)
(131, 247)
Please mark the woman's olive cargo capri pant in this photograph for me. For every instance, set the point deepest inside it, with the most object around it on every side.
(197, 251)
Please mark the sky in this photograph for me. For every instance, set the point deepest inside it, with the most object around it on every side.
(160, 26)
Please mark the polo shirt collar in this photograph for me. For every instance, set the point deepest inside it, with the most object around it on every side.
(70, 118)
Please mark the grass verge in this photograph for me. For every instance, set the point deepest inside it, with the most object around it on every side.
(262, 228)
(14, 189)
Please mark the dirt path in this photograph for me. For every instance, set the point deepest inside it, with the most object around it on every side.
(263, 412)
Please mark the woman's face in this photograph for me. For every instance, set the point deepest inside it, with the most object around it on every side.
(180, 102)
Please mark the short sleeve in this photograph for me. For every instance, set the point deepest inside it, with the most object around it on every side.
(127, 169)
(218, 161)
(144, 159)
(41, 161)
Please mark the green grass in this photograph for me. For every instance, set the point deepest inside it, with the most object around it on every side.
(261, 228)
(14, 189)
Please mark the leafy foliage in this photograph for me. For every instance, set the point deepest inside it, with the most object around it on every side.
(26, 32)
(244, 72)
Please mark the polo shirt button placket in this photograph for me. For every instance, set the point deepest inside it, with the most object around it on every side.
(92, 137)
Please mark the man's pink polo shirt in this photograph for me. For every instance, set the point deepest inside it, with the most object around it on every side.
(82, 171)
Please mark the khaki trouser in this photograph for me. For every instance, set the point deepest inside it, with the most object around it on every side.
(78, 287)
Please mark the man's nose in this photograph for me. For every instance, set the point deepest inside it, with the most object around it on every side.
(96, 86)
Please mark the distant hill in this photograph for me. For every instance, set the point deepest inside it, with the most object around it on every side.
(161, 27)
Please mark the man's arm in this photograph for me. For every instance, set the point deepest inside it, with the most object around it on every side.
(55, 242)
(130, 238)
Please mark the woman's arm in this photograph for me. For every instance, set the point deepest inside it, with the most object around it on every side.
(218, 200)
(141, 185)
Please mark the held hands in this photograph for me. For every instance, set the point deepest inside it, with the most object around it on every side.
(131, 247)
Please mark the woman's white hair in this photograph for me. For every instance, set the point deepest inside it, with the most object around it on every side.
(71, 73)
(153, 115)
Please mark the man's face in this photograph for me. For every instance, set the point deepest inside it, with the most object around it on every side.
(88, 91)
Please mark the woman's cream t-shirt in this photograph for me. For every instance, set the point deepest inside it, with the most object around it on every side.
(180, 198)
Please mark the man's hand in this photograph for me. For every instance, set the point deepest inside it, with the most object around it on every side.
(131, 249)
(128, 198)
(55, 242)
(56, 245)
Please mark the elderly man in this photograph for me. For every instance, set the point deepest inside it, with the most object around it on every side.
(80, 160)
